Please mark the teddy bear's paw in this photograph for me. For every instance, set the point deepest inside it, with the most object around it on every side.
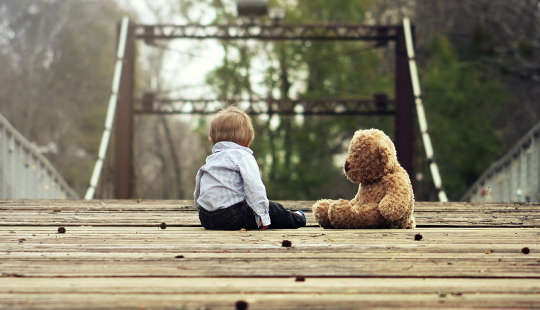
(341, 214)
(411, 223)
(320, 211)
(368, 216)
(345, 214)
(405, 223)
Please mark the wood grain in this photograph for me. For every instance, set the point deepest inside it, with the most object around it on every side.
(181, 213)
(114, 255)
(98, 251)
(253, 285)
(265, 293)
(269, 301)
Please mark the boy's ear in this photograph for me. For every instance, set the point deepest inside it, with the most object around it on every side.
(210, 139)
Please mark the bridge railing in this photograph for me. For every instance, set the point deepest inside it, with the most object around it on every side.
(513, 178)
(24, 172)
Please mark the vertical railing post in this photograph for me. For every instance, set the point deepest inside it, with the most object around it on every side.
(124, 175)
(3, 159)
(404, 121)
(536, 172)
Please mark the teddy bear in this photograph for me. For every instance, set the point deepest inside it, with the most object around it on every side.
(385, 197)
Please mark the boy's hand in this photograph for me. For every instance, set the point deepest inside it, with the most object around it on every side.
(261, 227)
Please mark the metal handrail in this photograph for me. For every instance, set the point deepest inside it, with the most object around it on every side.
(28, 184)
(515, 177)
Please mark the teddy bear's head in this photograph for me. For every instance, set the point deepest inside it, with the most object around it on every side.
(371, 155)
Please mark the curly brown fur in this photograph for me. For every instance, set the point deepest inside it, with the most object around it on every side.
(385, 197)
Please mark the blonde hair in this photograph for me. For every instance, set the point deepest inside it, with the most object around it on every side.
(232, 124)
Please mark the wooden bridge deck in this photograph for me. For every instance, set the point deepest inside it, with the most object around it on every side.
(113, 254)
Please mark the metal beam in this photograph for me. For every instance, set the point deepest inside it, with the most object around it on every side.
(266, 32)
(380, 106)
(404, 121)
(124, 175)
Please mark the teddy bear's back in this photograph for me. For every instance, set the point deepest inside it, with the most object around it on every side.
(397, 181)
(400, 182)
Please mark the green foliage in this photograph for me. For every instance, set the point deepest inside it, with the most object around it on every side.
(481, 44)
(344, 11)
(460, 104)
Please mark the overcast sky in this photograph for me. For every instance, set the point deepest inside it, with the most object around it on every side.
(187, 61)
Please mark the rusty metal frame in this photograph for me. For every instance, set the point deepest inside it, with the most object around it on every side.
(269, 32)
(403, 105)
(124, 124)
(379, 106)
(404, 121)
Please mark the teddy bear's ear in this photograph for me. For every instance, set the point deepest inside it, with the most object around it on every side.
(387, 157)
(381, 152)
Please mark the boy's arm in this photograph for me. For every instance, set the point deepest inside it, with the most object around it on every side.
(197, 191)
(254, 188)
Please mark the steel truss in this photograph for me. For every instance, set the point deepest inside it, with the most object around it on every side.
(402, 105)
(319, 32)
(269, 32)
(379, 106)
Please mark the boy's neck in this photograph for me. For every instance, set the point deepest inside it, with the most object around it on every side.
(228, 145)
(214, 144)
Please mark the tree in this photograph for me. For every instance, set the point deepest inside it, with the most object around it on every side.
(57, 61)
(501, 38)
(458, 97)
(167, 152)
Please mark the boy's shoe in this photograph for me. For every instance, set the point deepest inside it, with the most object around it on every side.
(300, 212)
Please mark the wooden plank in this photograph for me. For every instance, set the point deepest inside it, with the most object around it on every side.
(181, 212)
(268, 301)
(327, 293)
(307, 237)
(451, 286)
(187, 205)
(28, 237)
(216, 254)
(140, 251)
(190, 218)
(274, 267)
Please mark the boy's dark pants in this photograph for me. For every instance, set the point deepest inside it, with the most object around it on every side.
(241, 216)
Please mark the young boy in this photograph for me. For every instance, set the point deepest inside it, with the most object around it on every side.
(229, 192)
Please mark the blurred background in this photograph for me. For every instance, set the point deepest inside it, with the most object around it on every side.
(479, 65)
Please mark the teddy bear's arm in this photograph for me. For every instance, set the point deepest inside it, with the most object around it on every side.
(357, 197)
(320, 211)
(397, 201)
(341, 214)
